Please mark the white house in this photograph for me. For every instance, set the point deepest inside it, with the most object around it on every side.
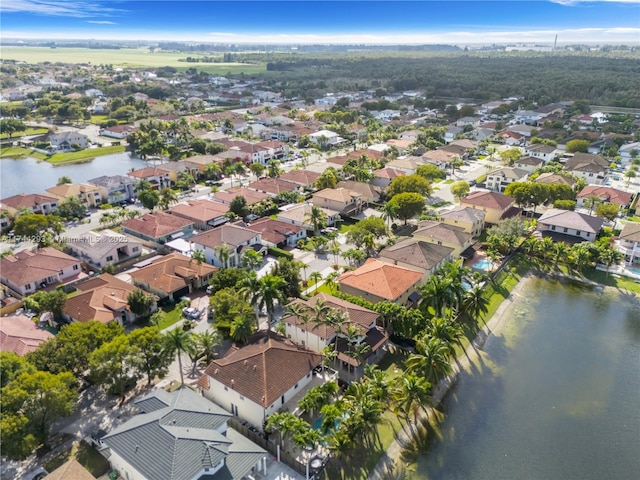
(542, 151)
(327, 137)
(104, 247)
(259, 378)
(498, 180)
(629, 243)
(64, 141)
(236, 239)
(573, 224)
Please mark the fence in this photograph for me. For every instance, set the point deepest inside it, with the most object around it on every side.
(257, 438)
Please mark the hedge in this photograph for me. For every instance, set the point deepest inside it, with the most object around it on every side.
(280, 253)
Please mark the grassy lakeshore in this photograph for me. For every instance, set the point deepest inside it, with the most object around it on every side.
(83, 155)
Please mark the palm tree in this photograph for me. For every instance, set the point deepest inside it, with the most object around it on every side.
(560, 254)
(591, 202)
(609, 257)
(335, 251)
(331, 280)
(223, 252)
(475, 304)
(273, 169)
(389, 212)
(199, 256)
(206, 343)
(239, 170)
(412, 393)
(167, 198)
(264, 293)
(315, 277)
(241, 328)
(212, 171)
(431, 360)
(301, 312)
(142, 185)
(317, 218)
(178, 341)
(447, 331)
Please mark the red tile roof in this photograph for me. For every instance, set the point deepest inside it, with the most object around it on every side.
(20, 335)
(381, 279)
(607, 194)
(492, 200)
(171, 272)
(157, 225)
(32, 266)
(264, 369)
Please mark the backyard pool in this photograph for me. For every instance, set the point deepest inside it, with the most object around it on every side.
(483, 264)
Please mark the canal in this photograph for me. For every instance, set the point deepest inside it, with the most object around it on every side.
(30, 175)
(555, 394)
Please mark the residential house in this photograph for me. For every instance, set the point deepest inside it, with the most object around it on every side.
(298, 214)
(440, 158)
(325, 138)
(378, 281)
(274, 186)
(342, 200)
(200, 163)
(628, 243)
(368, 192)
(36, 202)
(605, 194)
(407, 165)
(417, 254)
(65, 141)
(158, 179)
(172, 276)
(383, 177)
(528, 117)
(20, 334)
(99, 249)
(410, 135)
(510, 138)
(498, 180)
(87, 193)
(438, 233)
(181, 436)
(303, 331)
(257, 379)
(470, 219)
(495, 205)
(541, 151)
(550, 178)
(276, 233)
(452, 132)
(628, 150)
(236, 238)
(592, 168)
(204, 214)
(174, 169)
(115, 188)
(158, 228)
(561, 224)
(31, 270)
(117, 131)
(104, 298)
(468, 122)
(305, 178)
(250, 196)
(528, 164)
(70, 470)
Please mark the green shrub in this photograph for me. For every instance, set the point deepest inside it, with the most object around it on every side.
(280, 253)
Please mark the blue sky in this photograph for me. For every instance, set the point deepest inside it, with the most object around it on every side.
(461, 22)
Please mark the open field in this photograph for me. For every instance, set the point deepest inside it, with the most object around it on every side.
(125, 57)
(84, 155)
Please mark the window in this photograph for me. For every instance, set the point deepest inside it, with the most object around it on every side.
(110, 258)
(553, 227)
(135, 249)
(588, 234)
(61, 272)
(27, 286)
(76, 267)
(295, 386)
(578, 232)
(566, 229)
(226, 389)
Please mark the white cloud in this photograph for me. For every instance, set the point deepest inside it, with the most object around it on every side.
(572, 3)
(102, 22)
(59, 8)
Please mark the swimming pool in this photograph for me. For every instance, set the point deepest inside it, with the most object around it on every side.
(484, 264)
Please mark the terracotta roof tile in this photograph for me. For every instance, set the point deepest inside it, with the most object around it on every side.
(168, 273)
(32, 266)
(263, 369)
(20, 335)
(492, 200)
(157, 225)
(381, 279)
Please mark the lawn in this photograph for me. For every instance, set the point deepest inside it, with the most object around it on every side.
(85, 455)
(172, 316)
(633, 219)
(84, 155)
(616, 281)
(123, 57)
(27, 132)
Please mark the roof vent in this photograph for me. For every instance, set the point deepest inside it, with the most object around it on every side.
(232, 382)
(137, 447)
(255, 367)
(215, 372)
(246, 362)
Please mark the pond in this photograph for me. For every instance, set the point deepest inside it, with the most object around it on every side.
(30, 175)
(554, 396)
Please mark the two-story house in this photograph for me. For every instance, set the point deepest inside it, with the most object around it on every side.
(447, 235)
(342, 200)
(275, 233)
(470, 219)
(417, 254)
(299, 215)
(629, 243)
(158, 179)
(497, 180)
(115, 188)
(204, 214)
(592, 168)
(87, 193)
(227, 241)
(105, 247)
(542, 151)
(36, 202)
(496, 206)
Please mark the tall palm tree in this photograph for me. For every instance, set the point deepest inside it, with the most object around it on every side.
(142, 185)
(389, 212)
(206, 342)
(223, 252)
(315, 277)
(264, 293)
(301, 312)
(317, 218)
(412, 393)
(177, 342)
(560, 254)
(167, 198)
(431, 360)
(610, 257)
(447, 331)
(239, 170)
(212, 171)
(475, 303)
(199, 256)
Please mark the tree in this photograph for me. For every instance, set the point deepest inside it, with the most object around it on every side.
(607, 210)
(112, 364)
(591, 202)
(475, 303)
(177, 341)
(223, 252)
(289, 271)
(241, 328)
(577, 145)
(510, 156)
(257, 169)
(388, 212)
(140, 303)
(149, 198)
(167, 198)
(226, 278)
(52, 301)
(150, 356)
(64, 179)
(37, 400)
(265, 293)
(430, 361)
(409, 183)
(632, 172)
(273, 169)
(11, 126)
(251, 259)
(328, 179)
(71, 208)
(411, 393)
(198, 256)
(460, 189)
(238, 206)
(431, 172)
(212, 171)
(206, 343)
(37, 228)
(12, 365)
(317, 218)
(407, 205)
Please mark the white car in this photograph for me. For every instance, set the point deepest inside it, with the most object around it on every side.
(191, 313)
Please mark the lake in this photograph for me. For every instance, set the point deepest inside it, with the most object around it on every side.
(555, 396)
(30, 175)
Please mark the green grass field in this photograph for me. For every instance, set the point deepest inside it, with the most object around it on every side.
(125, 57)
(27, 132)
(83, 155)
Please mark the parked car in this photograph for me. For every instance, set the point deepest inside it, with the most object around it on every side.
(191, 313)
